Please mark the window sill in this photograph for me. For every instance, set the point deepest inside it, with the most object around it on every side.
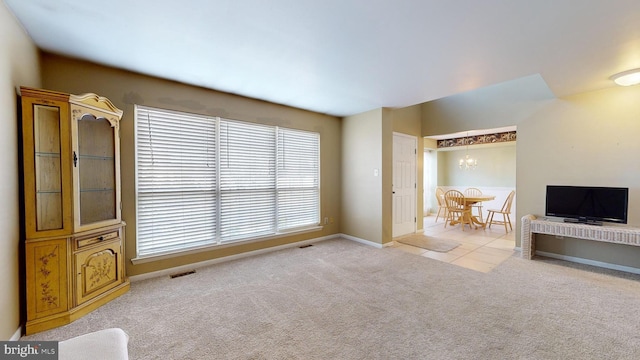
(158, 257)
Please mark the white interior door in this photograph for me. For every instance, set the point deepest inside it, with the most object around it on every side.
(404, 184)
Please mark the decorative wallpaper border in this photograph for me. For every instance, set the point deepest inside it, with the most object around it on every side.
(478, 139)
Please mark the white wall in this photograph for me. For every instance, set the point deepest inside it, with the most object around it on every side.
(431, 145)
(19, 65)
(430, 179)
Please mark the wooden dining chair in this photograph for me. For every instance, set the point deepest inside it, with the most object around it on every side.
(456, 208)
(470, 192)
(505, 211)
(442, 206)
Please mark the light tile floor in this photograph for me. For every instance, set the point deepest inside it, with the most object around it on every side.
(481, 250)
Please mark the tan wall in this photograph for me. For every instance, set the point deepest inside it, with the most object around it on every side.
(362, 196)
(125, 89)
(586, 139)
(499, 105)
(504, 104)
(496, 166)
(495, 174)
(18, 66)
(368, 145)
(431, 144)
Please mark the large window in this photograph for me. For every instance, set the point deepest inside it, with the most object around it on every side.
(204, 181)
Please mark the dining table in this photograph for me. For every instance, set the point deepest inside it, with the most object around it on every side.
(469, 201)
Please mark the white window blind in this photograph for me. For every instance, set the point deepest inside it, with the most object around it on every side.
(298, 178)
(205, 181)
(176, 180)
(247, 180)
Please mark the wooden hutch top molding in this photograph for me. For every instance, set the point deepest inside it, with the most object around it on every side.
(90, 101)
(41, 94)
(96, 102)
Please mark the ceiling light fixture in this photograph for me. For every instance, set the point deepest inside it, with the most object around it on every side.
(627, 78)
(468, 163)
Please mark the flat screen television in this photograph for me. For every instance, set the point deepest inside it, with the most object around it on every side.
(588, 204)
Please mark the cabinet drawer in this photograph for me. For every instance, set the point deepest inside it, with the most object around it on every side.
(80, 243)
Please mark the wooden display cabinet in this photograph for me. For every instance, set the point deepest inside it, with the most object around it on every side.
(74, 242)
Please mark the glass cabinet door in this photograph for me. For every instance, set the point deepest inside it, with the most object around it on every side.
(95, 124)
(48, 175)
(46, 163)
(96, 168)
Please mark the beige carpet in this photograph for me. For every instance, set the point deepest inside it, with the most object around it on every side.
(429, 242)
(343, 300)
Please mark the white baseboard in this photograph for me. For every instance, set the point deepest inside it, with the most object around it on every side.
(601, 264)
(366, 242)
(16, 336)
(182, 268)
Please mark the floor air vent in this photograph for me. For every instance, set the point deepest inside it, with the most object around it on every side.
(306, 246)
(173, 276)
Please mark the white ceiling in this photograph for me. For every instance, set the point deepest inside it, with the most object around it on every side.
(343, 57)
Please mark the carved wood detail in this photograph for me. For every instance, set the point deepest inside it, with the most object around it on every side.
(95, 101)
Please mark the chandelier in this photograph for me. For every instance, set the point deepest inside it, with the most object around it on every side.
(468, 163)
